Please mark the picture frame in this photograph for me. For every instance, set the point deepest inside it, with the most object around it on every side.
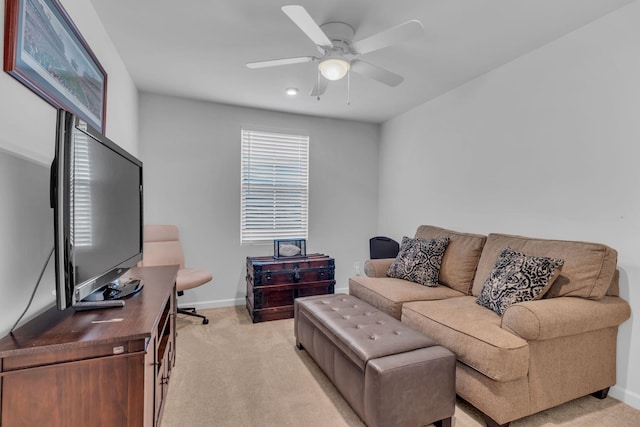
(44, 50)
(289, 248)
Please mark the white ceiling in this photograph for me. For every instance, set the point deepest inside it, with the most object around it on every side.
(198, 48)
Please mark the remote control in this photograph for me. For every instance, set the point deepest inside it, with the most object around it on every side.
(95, 305)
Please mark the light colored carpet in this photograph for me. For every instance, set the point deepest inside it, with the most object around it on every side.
(233, 373)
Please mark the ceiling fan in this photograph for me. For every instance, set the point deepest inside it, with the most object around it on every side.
(338, 51)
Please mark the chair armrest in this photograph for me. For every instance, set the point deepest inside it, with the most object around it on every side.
(377, 267)
(563, 316)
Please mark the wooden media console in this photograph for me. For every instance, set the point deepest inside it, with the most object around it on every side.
(108, 367)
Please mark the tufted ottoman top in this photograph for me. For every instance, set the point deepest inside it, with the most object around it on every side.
(360, 330)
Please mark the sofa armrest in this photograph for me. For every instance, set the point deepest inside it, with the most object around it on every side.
(377, 267)
(563, 316)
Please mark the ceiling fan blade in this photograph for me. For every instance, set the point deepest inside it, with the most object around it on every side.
(305, 22)
(319, 87)
(277, 62)
(399, 33)
(376, 73)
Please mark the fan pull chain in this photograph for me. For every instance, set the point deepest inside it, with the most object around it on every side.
(349, 87)
(318, 87)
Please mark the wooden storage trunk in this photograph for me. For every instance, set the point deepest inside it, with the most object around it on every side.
(273, 283)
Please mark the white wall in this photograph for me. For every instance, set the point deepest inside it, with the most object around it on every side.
(191, 154)
(27, 131)
(545, 146)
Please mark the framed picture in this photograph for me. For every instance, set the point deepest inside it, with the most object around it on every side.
(44, 50)
(287, 248)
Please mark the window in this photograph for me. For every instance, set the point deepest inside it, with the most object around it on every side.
(275, 186)
(81, 229)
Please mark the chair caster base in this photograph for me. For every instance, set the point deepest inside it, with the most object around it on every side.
(192, 312)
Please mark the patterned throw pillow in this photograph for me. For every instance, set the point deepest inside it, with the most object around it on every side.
(517, 277)
(419, 260)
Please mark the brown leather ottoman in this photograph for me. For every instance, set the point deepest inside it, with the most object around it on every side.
(390, 374)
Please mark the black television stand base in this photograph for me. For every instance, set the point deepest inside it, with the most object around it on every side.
(111, 295)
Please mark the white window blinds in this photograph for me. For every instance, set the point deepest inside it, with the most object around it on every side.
(275, 186)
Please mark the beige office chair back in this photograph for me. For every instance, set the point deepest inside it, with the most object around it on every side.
(162, 247)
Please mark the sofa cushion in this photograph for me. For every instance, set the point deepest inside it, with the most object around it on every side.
(588, 270)
(460, 260)
(517, 277)
(473, 334)
(388, 294)
(419, 260)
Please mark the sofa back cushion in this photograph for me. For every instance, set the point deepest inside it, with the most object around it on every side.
(588, 272)
(461, 258)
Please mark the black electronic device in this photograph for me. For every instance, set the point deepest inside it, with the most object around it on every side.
(96, 194)
(383, 247)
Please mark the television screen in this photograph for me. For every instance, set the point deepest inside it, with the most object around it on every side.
(97, 200)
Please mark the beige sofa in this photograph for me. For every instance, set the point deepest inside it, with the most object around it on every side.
(538, 354)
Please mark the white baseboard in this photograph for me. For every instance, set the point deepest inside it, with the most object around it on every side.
(214, 303)
(628, 397)
(236, 301)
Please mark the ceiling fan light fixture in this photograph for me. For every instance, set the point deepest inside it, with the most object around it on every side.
(334, 68)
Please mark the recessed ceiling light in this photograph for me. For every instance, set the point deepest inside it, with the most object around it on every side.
(291, 91)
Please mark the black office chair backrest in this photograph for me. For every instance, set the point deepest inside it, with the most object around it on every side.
(383, 247)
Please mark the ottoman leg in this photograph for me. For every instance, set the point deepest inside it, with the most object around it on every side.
(443, 423)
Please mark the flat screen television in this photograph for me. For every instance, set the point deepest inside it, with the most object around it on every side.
(96, 195)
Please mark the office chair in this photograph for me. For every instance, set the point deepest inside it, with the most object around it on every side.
(162, 247)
